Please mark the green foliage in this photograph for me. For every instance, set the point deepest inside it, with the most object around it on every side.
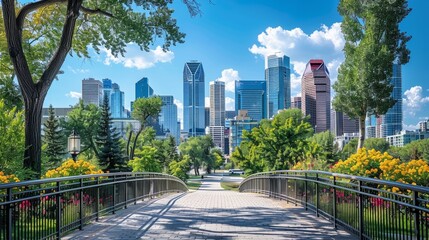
(373, 43)
(9, 92)
(199, 151)
(328, 151)
(108, 141)
(349, 149)
(379, 144)
(145, 160)
(217, 158)
(54, 140)
(276, 144)
(11, 140)
(180, 168)
(414, 150)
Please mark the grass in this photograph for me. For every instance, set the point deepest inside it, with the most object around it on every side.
(193, 185)
(231, 186)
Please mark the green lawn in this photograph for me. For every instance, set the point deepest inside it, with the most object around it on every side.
(232, 186)
(193, 185)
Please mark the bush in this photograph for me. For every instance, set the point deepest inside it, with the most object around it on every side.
(7, 178)
(72, 168)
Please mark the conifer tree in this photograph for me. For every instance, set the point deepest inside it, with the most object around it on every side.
(108, 141)
(54, 140)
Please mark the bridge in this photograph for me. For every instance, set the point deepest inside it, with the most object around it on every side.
(274, 205)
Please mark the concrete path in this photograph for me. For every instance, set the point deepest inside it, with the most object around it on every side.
(211, 213)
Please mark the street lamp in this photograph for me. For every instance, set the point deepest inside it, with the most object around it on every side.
(74, 145)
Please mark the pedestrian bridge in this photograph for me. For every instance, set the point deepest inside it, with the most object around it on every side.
(275, 205)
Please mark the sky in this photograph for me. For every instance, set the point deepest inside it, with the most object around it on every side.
(232, 38)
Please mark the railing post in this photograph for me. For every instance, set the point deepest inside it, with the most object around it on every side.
(334, 202)
(81, 215)
(416, 214)
(305, 191)
(114, 194)
(360, 198)
(97, 204)
(135, 189)
(126, 191)
(296, 193)
(58, 210)
(317, 195)
(287, 187)
(9, 214)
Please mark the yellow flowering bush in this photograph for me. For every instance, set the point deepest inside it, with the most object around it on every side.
(7, 178)
(72, 168)
(414, 172)
(363, 163)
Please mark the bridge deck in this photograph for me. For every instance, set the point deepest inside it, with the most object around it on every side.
(211, 213)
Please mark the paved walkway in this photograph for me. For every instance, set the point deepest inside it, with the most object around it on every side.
(211, 213)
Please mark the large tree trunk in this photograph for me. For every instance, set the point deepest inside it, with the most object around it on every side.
(361, 132)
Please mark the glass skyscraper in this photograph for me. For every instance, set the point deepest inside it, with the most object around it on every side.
(277, 76)
(117, 102)
(168, 117)
(251, 96)
(143, 89)
(92, 91)
(193, 99)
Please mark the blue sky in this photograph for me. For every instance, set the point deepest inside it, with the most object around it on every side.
(232, 37)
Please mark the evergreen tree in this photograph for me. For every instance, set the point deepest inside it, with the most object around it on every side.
(54, 140)
(108, 141)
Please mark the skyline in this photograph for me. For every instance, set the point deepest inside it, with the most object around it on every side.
(232, 48)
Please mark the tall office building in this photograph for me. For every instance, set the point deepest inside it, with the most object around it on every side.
(277, 76)
(241, 122)
(251, 96)
(217, 103)
(117, 99)
(341, 123)
(391, 122)
(316, 95)
(92, 91)
(143, 89)
(168, 117)
(296, 103)
(218, 135)
(193, 99)
(107, 87)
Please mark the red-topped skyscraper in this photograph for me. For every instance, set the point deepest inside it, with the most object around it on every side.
(316, 94)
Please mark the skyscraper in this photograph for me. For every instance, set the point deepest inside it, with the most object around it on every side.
(193, 99)
(296, 103)
(251, 96)
(277, 76)
(92, 91)
(168, 117)
(143, 89)
(117, 102)
(217, 103)
(341, 123)
(391, 122)
(316, 95)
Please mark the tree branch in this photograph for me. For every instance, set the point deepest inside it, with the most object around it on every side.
(96, 11)
(25, 10)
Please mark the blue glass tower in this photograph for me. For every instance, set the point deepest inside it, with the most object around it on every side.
(117, 102)
(277, 76)
(251, 96)
(168, 117)
(143, 89)
(193, 99)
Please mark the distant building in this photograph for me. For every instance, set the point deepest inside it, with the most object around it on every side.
(424, 126)
(277, 77)
(342, 140)
(143, 89)
(242, 122)
(121, 125)
(218, 135)
(251, 96)
(207, 117)
(217, 103)
(92, 92)
(168, 117)
(229, 114)
(194, 97)
(341, 123)
(405, 137)
(316, 95)
(296, 102)
(117, 99)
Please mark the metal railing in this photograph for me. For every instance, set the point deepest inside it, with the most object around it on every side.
(49, 208)
(370, 208)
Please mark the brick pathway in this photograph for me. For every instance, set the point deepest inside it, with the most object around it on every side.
(211, 213)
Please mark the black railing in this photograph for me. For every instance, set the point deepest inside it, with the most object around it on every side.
(49, 208)
(370, 208)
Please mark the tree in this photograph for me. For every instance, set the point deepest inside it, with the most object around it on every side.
(373, 43)
(145, 160)
(40, 34)
(217, 158)
(144, 110)
(53, 139)
(180, 168)
(328, 151)
(379, 144)
(108, 141)
(349, 149)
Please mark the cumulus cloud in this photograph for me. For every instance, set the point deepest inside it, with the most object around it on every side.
(179, 105)
(410, 127)
(135, 58)
(325, 43)
(229, 76)
(414, 100)
(78, 70)
(72, 94)
(229, 104)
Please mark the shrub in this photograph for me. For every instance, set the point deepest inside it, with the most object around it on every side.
(7, 178)
(72, 168)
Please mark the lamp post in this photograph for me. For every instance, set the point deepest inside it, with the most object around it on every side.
(74, 145)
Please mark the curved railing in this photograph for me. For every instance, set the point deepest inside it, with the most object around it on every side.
(370, 208)
(49, 208)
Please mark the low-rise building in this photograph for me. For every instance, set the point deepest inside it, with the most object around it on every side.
(405, 137)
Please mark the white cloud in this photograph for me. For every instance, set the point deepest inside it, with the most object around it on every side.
(72, 94)
(410, 127)
(326, 43)
(229, 76)
(413, 99)
(229, 104)
(207, 102)
(135, 58)
(179, 105)
(78, 70)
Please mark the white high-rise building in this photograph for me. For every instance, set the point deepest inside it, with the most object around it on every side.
(217, 103)
(92, 91)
